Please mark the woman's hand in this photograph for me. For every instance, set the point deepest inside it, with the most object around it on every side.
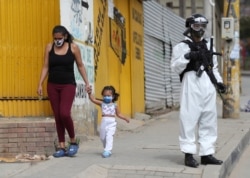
(88, 89)
(40, 90)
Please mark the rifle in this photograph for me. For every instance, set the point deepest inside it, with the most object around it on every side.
(207, 65)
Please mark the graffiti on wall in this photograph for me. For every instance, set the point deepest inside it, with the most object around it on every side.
(77, 17)
(117, 35)
(81, 25)
(87, 56)
(99, 32)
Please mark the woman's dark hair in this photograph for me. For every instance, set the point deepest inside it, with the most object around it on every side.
(61, 29)
(115, 95)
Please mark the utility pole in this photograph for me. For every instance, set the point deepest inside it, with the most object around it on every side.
(231, 64)
(209, 13)
(182, 10)
(193, 7)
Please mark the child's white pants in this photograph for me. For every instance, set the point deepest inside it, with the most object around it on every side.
(107, 131)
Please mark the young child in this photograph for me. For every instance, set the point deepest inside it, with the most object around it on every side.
(109, 111)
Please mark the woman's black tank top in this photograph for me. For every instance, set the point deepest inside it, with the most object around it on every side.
(61, 67)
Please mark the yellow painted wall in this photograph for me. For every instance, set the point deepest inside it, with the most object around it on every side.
(127, 77)
(137, 56)
(25, 30)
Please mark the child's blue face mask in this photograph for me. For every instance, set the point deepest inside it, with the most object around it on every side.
(107, 99)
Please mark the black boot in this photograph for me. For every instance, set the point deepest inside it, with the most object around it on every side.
(190, 161)
(209, 159)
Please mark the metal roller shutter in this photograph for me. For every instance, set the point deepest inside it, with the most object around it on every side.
(163, 29)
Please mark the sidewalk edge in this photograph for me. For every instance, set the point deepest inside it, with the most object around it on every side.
(230, 160)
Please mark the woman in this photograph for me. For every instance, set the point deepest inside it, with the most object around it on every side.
(59, 61)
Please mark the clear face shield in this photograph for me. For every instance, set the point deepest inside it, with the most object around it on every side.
(199, 26)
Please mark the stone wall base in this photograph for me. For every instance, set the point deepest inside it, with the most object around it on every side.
(37, 135)
(28, 136)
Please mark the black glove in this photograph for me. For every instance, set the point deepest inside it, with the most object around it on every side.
(207, 54)
(193, 55)
(221, 87)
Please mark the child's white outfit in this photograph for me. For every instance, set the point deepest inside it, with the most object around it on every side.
(108, 126)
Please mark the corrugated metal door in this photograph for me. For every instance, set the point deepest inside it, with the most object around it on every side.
(26, 27)
(154, 70)
(154, 53)
(163, 30)
(176, 27)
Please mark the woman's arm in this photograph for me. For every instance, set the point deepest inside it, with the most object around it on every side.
(45, 69)
(79, 63)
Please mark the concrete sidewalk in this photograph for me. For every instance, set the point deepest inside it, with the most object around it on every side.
(143, 149)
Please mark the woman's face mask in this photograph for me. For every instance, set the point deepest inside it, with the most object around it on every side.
(107, 99)
(59, 42)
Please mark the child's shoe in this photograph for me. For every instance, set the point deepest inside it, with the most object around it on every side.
(60, 153)
(106, 154)
(72, 150)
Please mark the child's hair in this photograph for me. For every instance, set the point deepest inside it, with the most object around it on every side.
(115, 95)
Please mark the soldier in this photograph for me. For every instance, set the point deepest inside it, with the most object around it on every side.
(200, 78)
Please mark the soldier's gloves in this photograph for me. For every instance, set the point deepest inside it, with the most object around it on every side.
(193, 55)
(207, 54)
(221, 87)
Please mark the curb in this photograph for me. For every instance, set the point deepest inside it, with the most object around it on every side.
(245, 73)
(231, 154)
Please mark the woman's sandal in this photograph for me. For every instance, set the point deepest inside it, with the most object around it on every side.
(60, 153)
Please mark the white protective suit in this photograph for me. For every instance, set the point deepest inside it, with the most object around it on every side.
(197, 105)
